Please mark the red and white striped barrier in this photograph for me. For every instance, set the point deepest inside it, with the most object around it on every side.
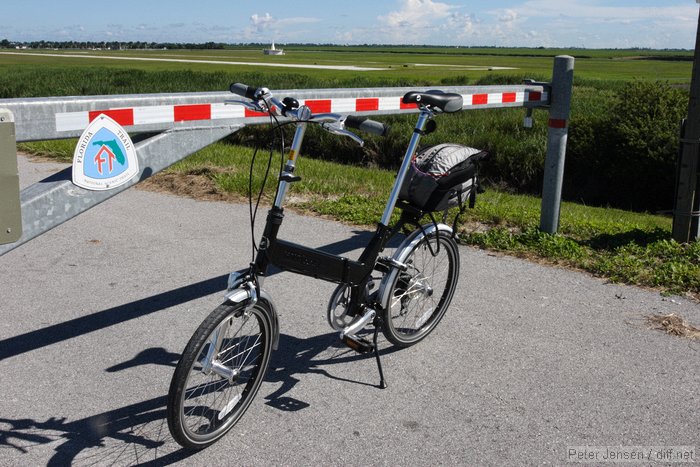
(134, 116)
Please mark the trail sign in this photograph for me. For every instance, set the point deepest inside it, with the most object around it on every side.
(105, 157)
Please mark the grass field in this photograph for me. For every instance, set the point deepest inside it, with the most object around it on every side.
(622, 246)
(445, 65)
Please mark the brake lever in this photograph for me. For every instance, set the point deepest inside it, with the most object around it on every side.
(250, 105)
(337, 128)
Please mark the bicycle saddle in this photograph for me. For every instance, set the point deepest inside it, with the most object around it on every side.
(447, 102)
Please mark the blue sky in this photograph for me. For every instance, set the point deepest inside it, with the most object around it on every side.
(532, 23)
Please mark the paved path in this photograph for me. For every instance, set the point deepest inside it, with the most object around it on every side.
(209, 62)
(528, 361)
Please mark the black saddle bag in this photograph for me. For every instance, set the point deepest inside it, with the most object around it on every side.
(441, 177)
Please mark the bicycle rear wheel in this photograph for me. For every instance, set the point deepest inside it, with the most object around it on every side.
(420, 296)
(219, 373)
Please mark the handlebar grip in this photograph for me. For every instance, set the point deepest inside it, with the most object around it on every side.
(243, 90)
(365, 124)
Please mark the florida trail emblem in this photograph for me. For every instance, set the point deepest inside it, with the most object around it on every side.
(105, 157)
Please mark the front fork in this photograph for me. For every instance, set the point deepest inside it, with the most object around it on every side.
(211, 362)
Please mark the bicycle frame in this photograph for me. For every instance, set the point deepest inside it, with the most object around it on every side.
(307, 261)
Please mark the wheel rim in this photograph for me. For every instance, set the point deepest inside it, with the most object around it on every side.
(211, 403)
(423, 292)
(338, 308)
(339, 305)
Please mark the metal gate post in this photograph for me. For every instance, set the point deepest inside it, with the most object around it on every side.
(686, 209)
(562, 87)
(10, 212)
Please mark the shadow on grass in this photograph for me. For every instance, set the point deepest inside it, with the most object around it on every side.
(639, 237)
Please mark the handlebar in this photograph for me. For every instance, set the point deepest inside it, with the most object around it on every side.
(303, 114)
(243, 90)
(365, 124)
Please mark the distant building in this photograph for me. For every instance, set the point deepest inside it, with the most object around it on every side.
(273, 51)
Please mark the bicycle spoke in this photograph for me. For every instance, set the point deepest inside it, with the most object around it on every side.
(421, 293)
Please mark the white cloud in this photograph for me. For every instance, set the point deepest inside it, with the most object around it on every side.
(460, 24)
(508, 16)
(416, 14)
(344, 37)
(283, 28)
(587, 9)
(260, 23)
(297, 20)
(592, 23)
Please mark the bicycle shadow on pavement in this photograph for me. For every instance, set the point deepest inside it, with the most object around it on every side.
(314, 356)
(33, 340)
(138, 433)
(131, 435)
(135, 434)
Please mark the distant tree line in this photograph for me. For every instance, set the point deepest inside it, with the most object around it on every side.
(111, 45)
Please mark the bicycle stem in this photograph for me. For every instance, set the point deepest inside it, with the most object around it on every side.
(425, 115)
(290, 164)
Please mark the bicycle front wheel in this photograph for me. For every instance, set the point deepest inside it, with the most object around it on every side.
(219, 373)
(420, 295)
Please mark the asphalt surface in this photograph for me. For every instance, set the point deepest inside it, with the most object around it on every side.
(528, 362)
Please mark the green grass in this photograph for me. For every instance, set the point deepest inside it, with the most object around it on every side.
(36, 75)
(622, 246)
(61, 150)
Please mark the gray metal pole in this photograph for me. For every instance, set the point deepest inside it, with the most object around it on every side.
(10, 211)
(562, 87)
(685, 210)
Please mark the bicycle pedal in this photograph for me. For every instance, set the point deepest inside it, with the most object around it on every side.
(358, 344)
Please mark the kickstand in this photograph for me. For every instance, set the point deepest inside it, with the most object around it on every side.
(382, 382)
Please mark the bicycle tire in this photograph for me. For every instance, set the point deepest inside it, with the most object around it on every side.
(420, 296)
(203, 407)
